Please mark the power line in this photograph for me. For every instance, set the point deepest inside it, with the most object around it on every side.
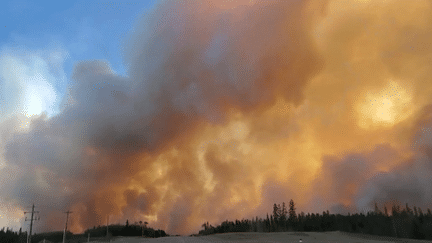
(32, 218)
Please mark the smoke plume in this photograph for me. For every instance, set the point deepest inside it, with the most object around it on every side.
(229, 107)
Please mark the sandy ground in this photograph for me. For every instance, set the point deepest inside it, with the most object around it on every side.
(309, 237)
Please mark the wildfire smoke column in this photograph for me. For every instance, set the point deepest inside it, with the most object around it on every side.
(229, 107)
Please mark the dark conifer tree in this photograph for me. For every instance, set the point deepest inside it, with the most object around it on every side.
(292, 212)
(272, 224)
(283, 217)
(268, 224)
(377, 211)
(292, 220)
(420, 212)
(276, 216)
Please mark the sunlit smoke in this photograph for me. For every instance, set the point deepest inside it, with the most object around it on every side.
(231, 106)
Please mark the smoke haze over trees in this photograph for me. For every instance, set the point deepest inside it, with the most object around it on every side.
(400, 222)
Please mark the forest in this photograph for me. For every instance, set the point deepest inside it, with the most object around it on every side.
(97, 232)
(401, 222)
(8, 235)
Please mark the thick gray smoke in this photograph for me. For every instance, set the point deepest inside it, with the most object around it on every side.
(188, 63)
(410, 181)
(229, 107)
(359, 180)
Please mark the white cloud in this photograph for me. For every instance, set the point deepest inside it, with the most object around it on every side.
(28, 82)
(31, 83)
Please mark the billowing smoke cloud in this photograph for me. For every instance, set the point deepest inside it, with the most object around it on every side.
(230, 107)
(408, 182)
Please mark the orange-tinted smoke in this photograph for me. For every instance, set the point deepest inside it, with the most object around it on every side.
(231, 107)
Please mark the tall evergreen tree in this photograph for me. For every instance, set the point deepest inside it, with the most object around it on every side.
(276, 216)
(420, 211)
(272, 224)
(283, 216)
(377, 211)
(268, 224)
(292, 220)
(408, 209)
(275, 212)
(292, 212)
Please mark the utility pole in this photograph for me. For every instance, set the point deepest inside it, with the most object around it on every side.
(32, 218)
(107, 229)
(65, 230)
(107, 224)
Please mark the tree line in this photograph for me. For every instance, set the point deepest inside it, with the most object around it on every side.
(9, 236)
(126, 230)
(401, 222)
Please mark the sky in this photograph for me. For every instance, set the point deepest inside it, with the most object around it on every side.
(40, 42)
(51, 36)
(184, 112)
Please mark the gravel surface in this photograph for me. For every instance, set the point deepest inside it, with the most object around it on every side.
(289, 237)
